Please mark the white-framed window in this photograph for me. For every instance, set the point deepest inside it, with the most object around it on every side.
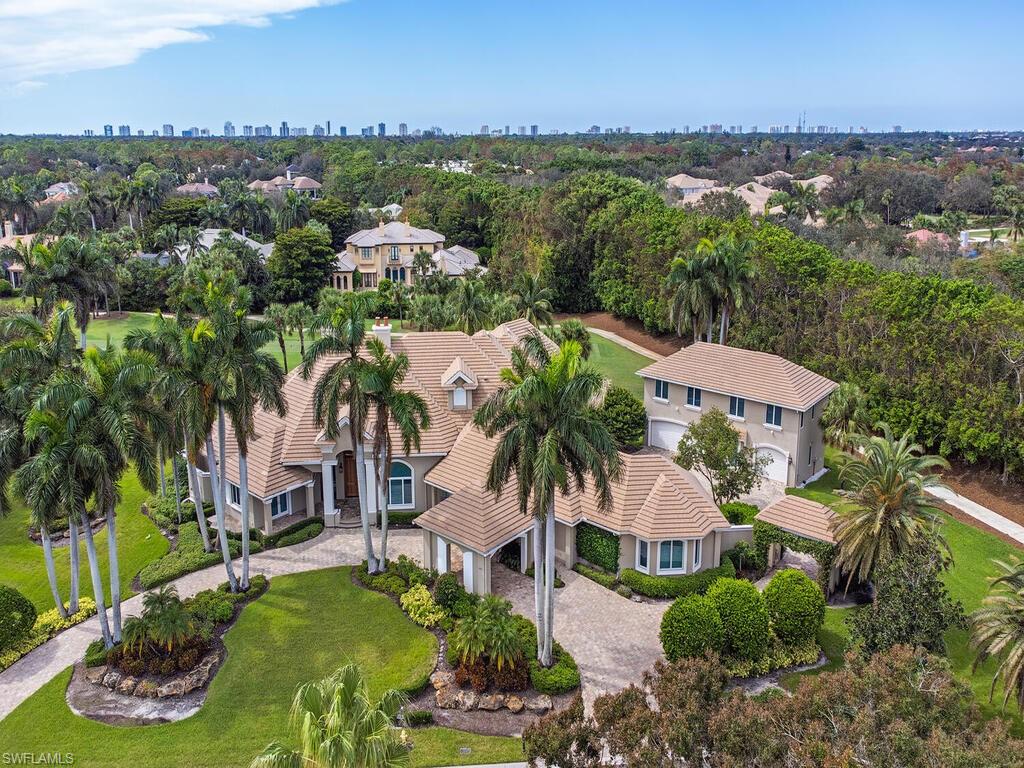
(459, 399)
(660, 390)
(737, 406)
(394, 253)
(279, 505)
(696, 553)
(400, 485)
(773, 415)
(643, 556)
(693, 397)
(672, 556)
(235, 494)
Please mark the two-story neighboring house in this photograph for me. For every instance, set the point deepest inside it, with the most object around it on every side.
(775, 405)
(387, 251)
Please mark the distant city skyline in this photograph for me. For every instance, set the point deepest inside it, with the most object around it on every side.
(74, 66)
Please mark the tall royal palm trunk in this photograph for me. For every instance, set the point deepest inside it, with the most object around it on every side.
(364, 514)
(217, 480)
(549, 584)
(243, 479)
(76, 566)
(724, 327)
(177, 489)
(81, 337)
(51, 570)
(115, 573)
(197, 502)
(382, 504)
(538, 582)
(222, 459)
(97, 582)
(163, 476)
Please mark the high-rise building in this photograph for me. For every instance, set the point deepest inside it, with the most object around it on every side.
(229, 129)
(300, 131)
(124, 130)
(247, 131)
(343, 130)
(205, 133)
(594, 129)
(284, 129)
(108, 130)
(485, 130)
(403, 129)
(366, 132)
(168, 129)
(140, 132)
(318, 130)
(156, 132)
(328, 128)
(88, 133)
(264, 131)
(897, 129)
(534, 130)
(382, 129)
(507, 131)
(521, 131)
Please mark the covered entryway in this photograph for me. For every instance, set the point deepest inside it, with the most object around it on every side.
(778, 464)
(665, 434)
(804, 519)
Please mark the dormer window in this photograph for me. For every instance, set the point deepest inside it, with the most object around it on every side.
(459, 399)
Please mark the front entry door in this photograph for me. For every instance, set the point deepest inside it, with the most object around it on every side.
(349, 469)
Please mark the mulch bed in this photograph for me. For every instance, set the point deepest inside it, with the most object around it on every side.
(985, 488)
(631, 330)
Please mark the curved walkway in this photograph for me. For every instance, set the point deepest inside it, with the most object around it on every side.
(978, 512)
(332, 548)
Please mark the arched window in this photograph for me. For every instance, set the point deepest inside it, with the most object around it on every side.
(401, 274)
(400, 485)
(387, 273)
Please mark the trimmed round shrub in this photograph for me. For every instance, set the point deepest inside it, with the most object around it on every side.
(744, 617)
(17, 616)
(691, 627)
(796, 606)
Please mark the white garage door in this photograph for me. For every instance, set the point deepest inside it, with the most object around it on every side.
(665, 434)
(777, 468)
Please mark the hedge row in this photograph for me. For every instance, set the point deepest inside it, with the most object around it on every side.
(675, 586)
(303, 530)
(47, 624)
(598, 546)
(739, 513)
(606, 580)
(187, 557)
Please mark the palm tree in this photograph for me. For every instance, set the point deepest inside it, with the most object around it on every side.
(164, 239)
(126, 197)
(32, 255)
(549, 436)
(732, 271)
(693, 295)
(997, 629)
(255, 379)
(69, 219)
(300, 317)
(192, 242)
(533, 300)
(422, 264)
(802, 202)
(96, 201)
(889, 508)
(431, 312)
(78, 271)
(400, 298)
(573, 329)
(294, 211)
(214, 214)
(845, 415)
(342, 330)
(181, 352)
(384, 375)
(338, 725)
(470, 307)
(1016, 223)
(277, 315)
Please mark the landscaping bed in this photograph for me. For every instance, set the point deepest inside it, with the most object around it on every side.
(487, 678)
(46, 625)
(171, 652)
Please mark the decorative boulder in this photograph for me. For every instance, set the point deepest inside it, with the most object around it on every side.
(95, 675)
(175, 687)
(196, 679)
(127, 685)
(540, 703)
(491, 702)
(447, 697)
(442, 680)
(111, 679)
(468, 700)
(147, 689)
(515, 704)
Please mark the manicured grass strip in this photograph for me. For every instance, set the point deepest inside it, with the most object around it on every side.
(618, 363)
(139, 542)
(306, 626)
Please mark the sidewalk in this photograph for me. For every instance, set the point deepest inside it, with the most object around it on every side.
(980, 513)
(630, 345)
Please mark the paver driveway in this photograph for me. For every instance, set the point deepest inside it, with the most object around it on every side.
(613, 640)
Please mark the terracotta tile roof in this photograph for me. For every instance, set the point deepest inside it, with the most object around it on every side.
(686, 181)
(801, 516)
(267, 475)
(753, 375)
(458, 369)
(653, 498)
(304, 182)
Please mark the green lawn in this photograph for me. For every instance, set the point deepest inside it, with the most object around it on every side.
(618, 363)
(139, 542)
(973, 551)
(306, 626)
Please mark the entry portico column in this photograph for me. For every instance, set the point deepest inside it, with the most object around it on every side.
(327, 477)
(443, 558)
(468, 563)
(371, 492)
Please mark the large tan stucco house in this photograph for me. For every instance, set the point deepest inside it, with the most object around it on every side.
(666, 521)
(388, 251)
(775, 405)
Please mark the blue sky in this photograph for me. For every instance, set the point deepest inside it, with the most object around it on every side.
(563, 64)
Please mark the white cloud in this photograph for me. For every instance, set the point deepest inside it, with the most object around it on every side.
(56, 37)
